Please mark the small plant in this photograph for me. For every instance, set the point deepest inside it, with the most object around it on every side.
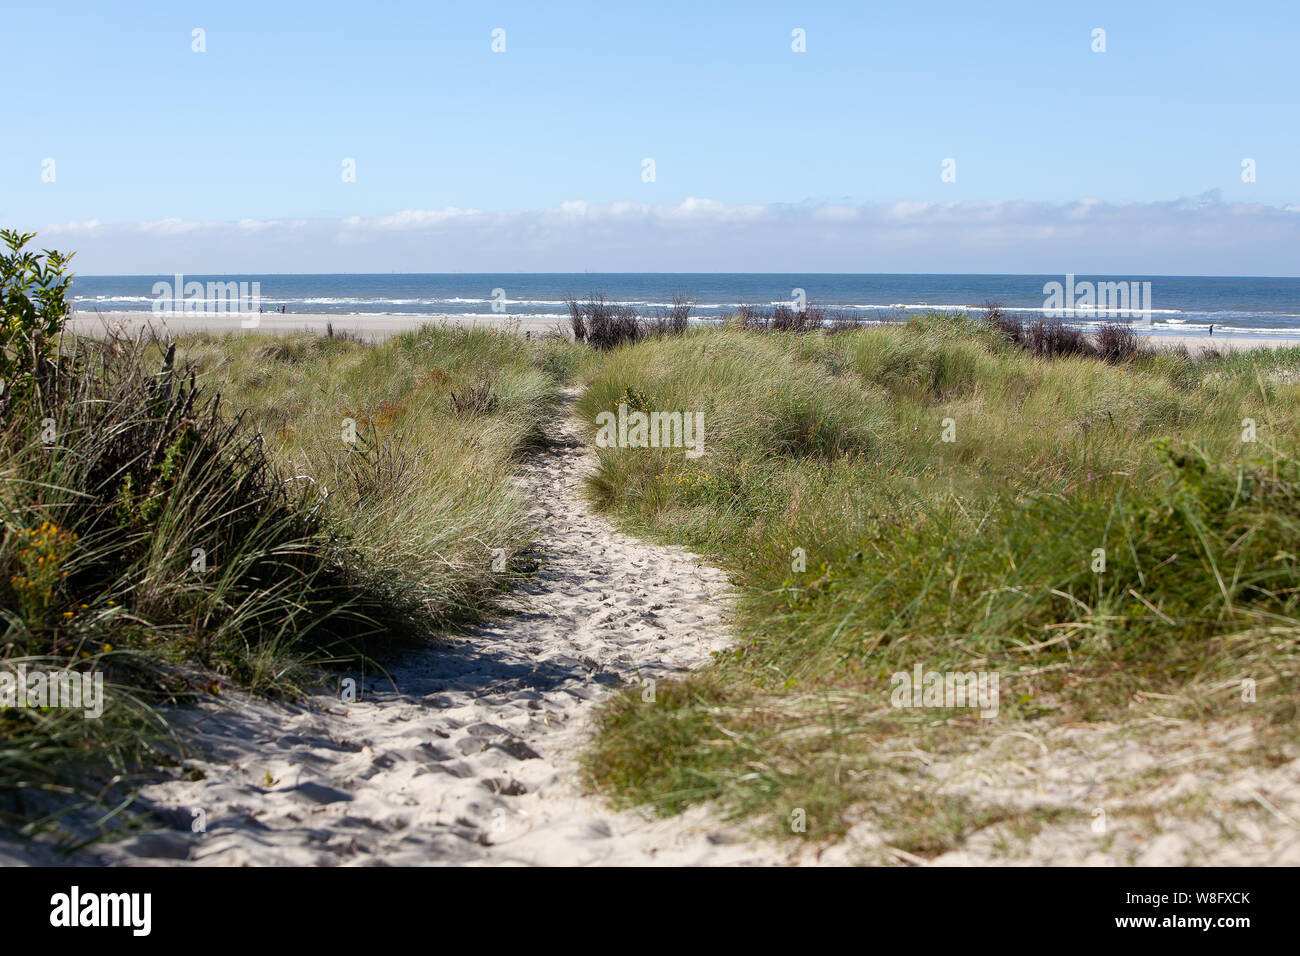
(377, 417)
(436, 377)
(477, 399)
(1043, 338)
(1117, 342)
(695, 483)
(605, 326)
(343, 336)
(784, 318)
(41, 555)
(637, 401)
(677, 317)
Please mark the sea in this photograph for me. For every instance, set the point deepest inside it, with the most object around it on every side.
(1177, 304)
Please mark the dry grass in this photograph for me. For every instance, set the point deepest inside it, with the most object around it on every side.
(865, 542)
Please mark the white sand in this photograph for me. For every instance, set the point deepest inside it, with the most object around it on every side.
(1223, 340)
(1148, 792)
(471, 758)
(369, 327)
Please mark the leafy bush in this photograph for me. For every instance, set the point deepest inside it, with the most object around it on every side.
(33, 307)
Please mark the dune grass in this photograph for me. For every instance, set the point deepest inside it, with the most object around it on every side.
(241, 512)
(1108, 537)
(933, 494)
(424, 492)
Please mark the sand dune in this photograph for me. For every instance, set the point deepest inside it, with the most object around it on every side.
(470, 759)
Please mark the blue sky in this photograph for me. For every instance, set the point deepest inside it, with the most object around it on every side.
(143, 130)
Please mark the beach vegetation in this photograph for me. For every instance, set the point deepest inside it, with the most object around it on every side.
(1113, 538)
(188, 519)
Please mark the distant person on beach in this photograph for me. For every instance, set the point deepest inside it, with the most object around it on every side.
(1211, 330)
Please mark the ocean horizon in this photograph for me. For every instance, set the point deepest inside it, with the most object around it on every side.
(1191, 304)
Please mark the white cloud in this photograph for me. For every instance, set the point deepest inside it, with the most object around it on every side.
(836, 213)
(87, 227)
(1196, 235)
(417, 218)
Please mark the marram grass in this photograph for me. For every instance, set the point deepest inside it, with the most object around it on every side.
(931, 494)
(293, 504)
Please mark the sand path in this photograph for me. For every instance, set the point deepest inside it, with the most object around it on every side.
(471, 759)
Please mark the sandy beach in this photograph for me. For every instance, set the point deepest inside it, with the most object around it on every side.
(1223, 341)
(377, 327)
(372, 327)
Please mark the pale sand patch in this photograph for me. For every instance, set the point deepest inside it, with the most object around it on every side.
(371, 328)
(1148, 792)
(1223, 341)
(471, 760)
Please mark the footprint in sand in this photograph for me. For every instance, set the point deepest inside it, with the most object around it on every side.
(471, 758)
